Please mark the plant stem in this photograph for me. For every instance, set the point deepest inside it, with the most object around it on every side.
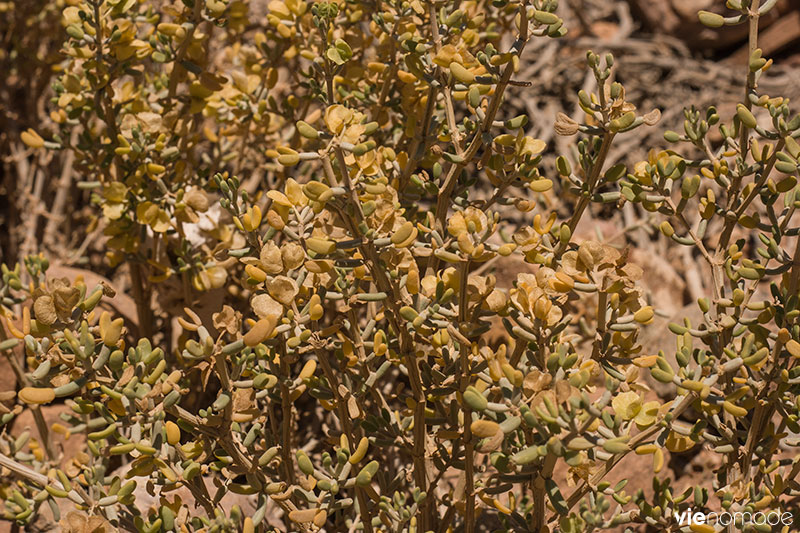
(464, 379)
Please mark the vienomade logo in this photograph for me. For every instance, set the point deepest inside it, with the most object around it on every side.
(689, 517)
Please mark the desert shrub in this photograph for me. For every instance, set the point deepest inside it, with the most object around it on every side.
(341, 175)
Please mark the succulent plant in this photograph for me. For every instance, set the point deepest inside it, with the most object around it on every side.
(317, 167)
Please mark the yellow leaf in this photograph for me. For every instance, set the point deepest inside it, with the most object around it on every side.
(627, 405)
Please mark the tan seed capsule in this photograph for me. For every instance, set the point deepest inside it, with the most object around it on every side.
(484, 428)
(36, 395)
